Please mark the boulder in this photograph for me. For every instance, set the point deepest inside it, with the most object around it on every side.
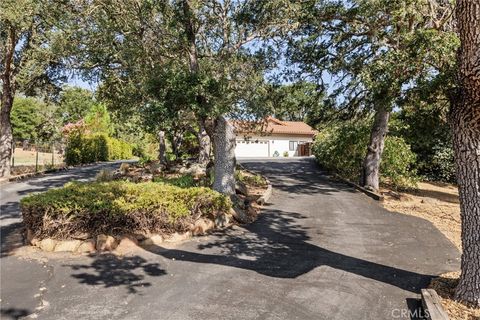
(202, 226)
(87, 246)
(127, 244)
(106, 243)
(47, 244)
(67, 246)
(153, 240)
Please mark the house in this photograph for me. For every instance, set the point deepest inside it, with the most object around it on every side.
(273, 138)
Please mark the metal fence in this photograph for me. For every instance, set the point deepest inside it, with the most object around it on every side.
(27, 157)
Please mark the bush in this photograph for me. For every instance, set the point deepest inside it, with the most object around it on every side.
(117, 208)
(342, 149)
(83, 148)
(253, 180)
(285, 154)
(186, 181)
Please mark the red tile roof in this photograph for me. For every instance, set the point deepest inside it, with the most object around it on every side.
(274, 126)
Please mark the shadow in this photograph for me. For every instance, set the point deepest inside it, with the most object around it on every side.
(439, 195)
(415, 310)
(13, 313)
(11, 230)
(113, 271)
(277, 246)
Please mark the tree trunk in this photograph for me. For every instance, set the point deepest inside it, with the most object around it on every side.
(177, 141)
(7, 94)
(6, 138)
(371, 164)
(204, 144)
(224, 170)
(162, 148)
(465, 122)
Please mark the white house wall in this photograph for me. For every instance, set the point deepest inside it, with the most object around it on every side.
(265, 146)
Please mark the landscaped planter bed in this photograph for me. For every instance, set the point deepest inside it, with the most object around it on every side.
(118, 215)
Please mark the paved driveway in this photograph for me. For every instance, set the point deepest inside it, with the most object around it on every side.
(320, 250)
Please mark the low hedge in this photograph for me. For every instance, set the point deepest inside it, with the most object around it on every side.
(117, 208)
(92, 148)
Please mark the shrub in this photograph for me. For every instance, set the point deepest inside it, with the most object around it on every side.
(253, 180)
(342, 148)
(118, 207)
(285, 154)
(82, 148)
(186, 181)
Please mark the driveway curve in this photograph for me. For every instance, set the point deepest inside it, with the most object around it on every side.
(320, 250)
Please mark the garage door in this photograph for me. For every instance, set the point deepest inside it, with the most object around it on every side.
(254, 149)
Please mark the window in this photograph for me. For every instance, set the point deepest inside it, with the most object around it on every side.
(293, 145)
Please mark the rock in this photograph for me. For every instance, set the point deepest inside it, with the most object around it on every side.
(127, 244)
(202, 226)
(240, 215)
(124, 167)
(86, 246)
(47, 244)
(177, 237)
(153, 240)
(241, 188)
(106, 243)
(67, 246)
(222, 221)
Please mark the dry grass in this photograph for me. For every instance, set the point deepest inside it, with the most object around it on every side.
(439, 204)
(24, 157)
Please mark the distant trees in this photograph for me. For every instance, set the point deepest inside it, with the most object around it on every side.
(31, 50)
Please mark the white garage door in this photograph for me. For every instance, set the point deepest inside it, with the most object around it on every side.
(253, 148)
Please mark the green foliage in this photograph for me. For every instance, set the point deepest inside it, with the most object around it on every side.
(118, 207)
(25, 118)
(425, 128)
(285, 154)
(98, 120)
(34, 120)
(82, 148)
(250, 179)
(74, 104)
(185, 181)
(342, 149)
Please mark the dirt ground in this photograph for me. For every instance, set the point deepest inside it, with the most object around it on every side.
(438, 203)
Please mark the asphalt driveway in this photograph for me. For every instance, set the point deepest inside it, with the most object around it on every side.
(320, 250)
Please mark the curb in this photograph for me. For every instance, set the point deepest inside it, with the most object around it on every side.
(432, 305)
(367, 192)
(30, 175)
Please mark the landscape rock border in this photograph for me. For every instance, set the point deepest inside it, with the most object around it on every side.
(267, 194)
(127, 243)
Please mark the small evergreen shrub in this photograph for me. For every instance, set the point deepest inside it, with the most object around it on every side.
(118, 207)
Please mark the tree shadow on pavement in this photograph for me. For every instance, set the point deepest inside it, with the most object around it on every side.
(14, 313)
(276, 246)
(110, 270)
